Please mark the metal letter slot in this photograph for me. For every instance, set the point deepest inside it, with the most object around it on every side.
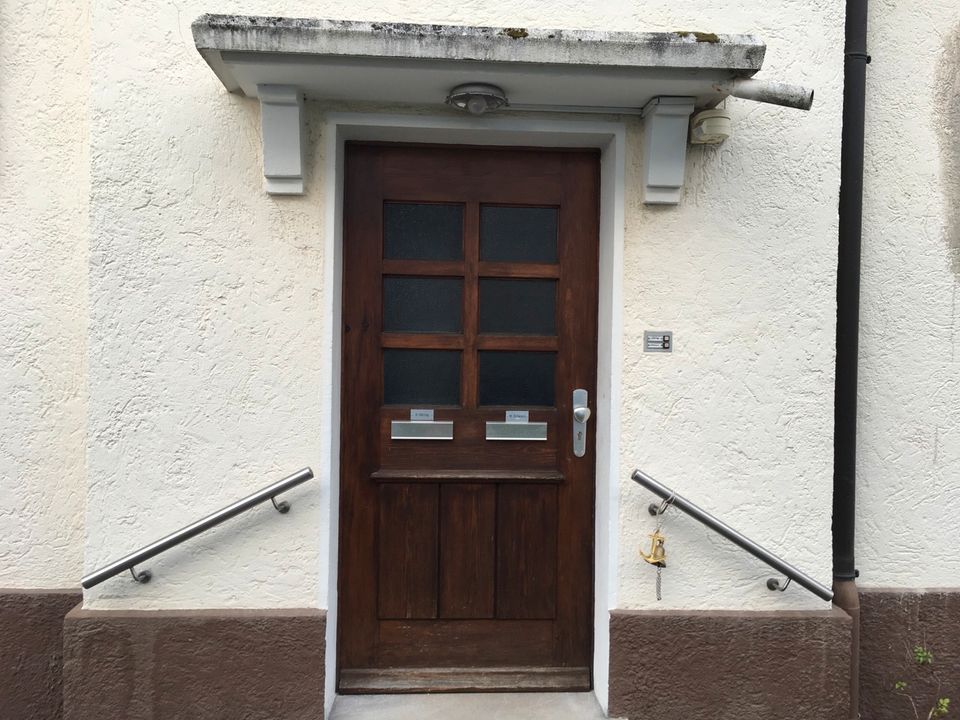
(421, 429)
(516, 430)
(581, 413)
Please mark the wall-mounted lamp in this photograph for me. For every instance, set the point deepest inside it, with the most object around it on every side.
(477, 98)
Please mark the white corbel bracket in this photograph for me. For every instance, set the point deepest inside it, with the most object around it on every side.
(281, 129)
(665, 123)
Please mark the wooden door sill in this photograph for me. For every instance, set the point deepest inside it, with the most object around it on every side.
(477, 679)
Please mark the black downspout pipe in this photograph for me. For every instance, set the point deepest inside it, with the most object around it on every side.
(848, 291)
(848, 327)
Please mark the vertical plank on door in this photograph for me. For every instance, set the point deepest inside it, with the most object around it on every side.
(467, 524)
(526, 551)
(408, 550)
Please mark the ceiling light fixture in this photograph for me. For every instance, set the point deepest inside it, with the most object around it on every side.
(477, 98)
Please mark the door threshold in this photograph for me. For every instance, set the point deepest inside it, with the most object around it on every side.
(464, 680)
(484, 706)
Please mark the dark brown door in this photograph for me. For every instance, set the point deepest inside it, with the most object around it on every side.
(470, 297)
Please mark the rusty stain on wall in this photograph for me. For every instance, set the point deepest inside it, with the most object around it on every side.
(947, 121)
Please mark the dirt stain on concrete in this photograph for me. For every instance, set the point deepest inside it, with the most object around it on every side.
(947, 121)
(702, 37)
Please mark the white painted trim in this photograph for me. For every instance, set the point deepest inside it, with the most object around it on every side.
(665, 127)
(610, 138)
(609, 364)
(330, 382)
(282, 137)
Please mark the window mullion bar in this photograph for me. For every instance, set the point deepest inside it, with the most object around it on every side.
(471, 303)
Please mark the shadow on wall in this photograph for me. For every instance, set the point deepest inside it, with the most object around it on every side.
(947, 121)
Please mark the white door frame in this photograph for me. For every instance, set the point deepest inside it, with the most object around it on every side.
(553, 131)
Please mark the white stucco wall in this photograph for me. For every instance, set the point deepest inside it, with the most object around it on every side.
(908, 461)
(739, 417)
(43, 292)
(205, 331)
(206, 336)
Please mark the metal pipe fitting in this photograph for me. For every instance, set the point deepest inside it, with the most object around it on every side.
(765, 91)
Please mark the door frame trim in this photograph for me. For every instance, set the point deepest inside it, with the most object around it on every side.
(610, 138)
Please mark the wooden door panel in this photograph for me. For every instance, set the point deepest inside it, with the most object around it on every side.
(466, 563)
(526, 552)
(466, 643)
(408, 550)
(467, 550)
(524, 190)
(492, 164)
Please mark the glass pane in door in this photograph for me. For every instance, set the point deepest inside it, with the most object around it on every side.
(517, 378)
(421, 377)
(429, 305)
(422, 231)
(518, 307)
(518, 234)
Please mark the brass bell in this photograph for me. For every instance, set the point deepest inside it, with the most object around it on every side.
(658, 555)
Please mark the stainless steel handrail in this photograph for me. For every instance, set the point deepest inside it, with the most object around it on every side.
(720, 527)
(145, 553)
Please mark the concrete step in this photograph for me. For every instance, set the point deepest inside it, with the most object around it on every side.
(469, 706)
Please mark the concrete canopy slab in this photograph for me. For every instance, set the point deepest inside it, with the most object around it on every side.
(283, 60)
(420, 64)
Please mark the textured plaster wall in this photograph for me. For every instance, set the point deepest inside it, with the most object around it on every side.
(739, 417)
(207, 340)
(43, 292)
(205, 332)
(909, 431)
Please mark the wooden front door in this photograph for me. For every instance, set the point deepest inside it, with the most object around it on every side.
(469, 300)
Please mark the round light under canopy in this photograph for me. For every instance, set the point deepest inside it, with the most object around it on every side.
(477, 98)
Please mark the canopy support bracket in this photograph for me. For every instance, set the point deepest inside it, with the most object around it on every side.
(281, 130)
(665, 123)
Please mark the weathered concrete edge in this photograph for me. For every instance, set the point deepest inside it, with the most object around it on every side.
(890, 590)
(80, 613)
(41, 591)
(826, 613)
(741, 54)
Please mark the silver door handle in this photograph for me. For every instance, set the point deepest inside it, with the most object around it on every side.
(581, 413)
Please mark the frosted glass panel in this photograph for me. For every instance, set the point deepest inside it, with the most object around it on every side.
(413, 304)
(419, 231)
(517, 378)
(421, 377)
(518, 234)
(518, 307)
